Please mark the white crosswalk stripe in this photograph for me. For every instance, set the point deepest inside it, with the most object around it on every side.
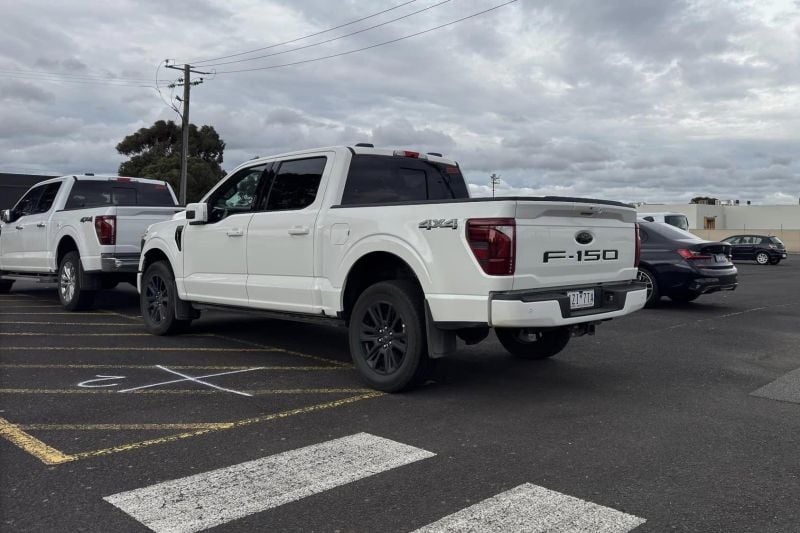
(212, 498)
(532, 509)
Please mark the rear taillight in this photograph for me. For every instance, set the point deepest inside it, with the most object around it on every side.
(691, 255)
(638, 253)
(493, 242)
(106, 228)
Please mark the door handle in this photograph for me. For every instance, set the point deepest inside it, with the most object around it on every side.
(41, 225)
(20, 227)
(234, 233)
(299, 230)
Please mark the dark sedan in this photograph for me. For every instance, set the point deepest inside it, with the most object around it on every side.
(763, 249)
(679, 265)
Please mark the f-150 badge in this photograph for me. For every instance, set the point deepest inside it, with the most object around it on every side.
(432, 223)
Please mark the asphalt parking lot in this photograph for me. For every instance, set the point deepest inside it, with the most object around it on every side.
(680, 418)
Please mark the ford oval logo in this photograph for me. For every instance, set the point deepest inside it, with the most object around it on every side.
(584, 237)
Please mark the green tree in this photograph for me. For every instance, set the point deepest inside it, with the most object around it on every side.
(155, 152)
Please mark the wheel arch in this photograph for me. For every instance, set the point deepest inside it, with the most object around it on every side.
(372, 268)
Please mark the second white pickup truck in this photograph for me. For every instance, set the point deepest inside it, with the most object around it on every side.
(83, 232)
(389, 243)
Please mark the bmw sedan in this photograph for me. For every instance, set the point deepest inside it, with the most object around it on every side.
(763, 249)
(681, 266)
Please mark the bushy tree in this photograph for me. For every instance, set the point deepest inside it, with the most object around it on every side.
(155, 152)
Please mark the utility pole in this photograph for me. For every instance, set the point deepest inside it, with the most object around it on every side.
(187, 84)
(495, 179)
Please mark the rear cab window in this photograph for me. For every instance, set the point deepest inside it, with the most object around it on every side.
(377, 179)
(100, 193)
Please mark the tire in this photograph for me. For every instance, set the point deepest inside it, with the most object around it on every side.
(388, 341)
(158, 299)
(5, 285)
(528, 344)
(762, 258)
(653, 293)
(775, 261)
(683, 298)
(72, 295)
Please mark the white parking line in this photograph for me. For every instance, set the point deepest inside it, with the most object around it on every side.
(534, 509)
(212, 498)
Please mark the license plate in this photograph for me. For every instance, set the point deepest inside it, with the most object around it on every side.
(720, 258)
(581, 299)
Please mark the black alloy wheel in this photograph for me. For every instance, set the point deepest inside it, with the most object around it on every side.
(158, 300)
(387, 336)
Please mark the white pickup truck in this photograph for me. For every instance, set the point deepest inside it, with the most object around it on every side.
(83, 232)
(390, 244)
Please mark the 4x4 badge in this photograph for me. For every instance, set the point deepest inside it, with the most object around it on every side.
(432, 223)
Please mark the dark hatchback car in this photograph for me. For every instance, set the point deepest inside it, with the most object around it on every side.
(763, 249)
(679, 265)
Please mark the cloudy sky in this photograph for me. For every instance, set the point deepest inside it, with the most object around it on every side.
(633, 100)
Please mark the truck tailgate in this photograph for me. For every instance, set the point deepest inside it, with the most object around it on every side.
(562, 244)
(132, 221)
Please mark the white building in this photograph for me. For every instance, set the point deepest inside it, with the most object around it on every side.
(738, 218)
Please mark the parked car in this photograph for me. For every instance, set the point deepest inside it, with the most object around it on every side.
(681, 266)
(389, 243)
(763, 249)
(83, 232)
(679, 220)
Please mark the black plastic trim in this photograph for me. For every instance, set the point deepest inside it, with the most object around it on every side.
(609, 296)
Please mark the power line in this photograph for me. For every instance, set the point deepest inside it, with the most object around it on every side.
(73, 81)
(328, 40)
(462, 19)
(67, 75)
(237, 54)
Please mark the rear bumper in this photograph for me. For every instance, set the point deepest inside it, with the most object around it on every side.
(119, 263)
(709, 284)
(550, 307)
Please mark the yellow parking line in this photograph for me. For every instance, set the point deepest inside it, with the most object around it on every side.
(131, 317)
(276, 349)
(237, 423)
(42, 306)
(135, 348)
(178, 367)
(258, 392)
(43, 334)
(68, 323)
(32, 445)
(124, 427)
(65, 313)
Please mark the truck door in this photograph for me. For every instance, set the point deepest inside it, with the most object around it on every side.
(281, 235)
(13, 244)
(214, 254)
(36, 241)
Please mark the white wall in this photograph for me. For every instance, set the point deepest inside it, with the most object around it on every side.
(734, 217)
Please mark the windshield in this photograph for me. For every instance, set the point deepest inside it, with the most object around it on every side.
(679, 221)
(776, 240)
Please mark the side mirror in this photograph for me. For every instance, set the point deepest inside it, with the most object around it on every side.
(5, 216)
(197, 213)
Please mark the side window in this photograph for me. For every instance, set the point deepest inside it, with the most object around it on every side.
(296, 183)
(650, 219)
(236, 195)
(733, 240)
(413, 184)
(27, 204)
(48, 197)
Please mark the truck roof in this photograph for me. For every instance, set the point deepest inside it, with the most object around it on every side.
(361, 150)
(100, 177)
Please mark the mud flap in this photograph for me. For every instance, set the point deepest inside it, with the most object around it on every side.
(184, 310)
(441, 342)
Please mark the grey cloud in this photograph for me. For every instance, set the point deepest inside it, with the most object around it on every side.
(24, 91)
